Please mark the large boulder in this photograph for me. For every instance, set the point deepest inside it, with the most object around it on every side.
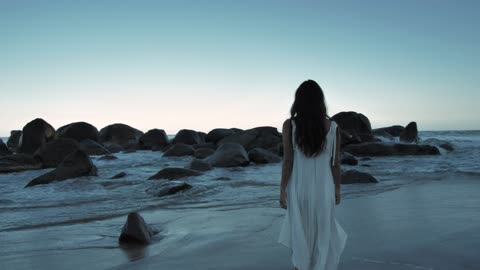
(136, 231)
(355, 177)
(348, 159)
(383, 134)
(217, 134)
(121, 134)
(390, 149)
(93, 148)
(4, 149)
(174, 173)
(355, 127)
(75, 165)
(78, 131)
(188, 136)
(393, 131)
(14, 140)
(34, 134)
(153, 139)
(205, 145)
(18, 162)
(168, 188)
(52, 153)
(199, 165)
(203, 152)
(410, 134)
(229, 155)
(179, 149)
(261, 137)
(262, 156)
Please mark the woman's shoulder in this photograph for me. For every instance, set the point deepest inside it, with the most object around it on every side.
(287, 124)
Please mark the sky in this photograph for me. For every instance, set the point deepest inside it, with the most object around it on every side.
(207, 64)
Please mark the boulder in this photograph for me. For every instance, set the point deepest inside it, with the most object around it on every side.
(229, 155)
(76, 164)
(199, 165)
(136, 231)
(440, 143)
(108, 157)
(93, 148)
(121, 134)
(393, 131)
(188, 136)
(261, 137)
(179, 149)
(18, 162)
(34, 134)
(113, 147)
(356, 177)
(78, 131)
(410, 134)
(119, 175)
(4, 151)
(217, 134)
(174, 173)
(383, 134)
(355, 127)
(52, 153)
(205, 145)
(14, 140)
(203, 152)
(262, 156)
(348, 159)
(390, 149)
(154, 138)
(168, 188)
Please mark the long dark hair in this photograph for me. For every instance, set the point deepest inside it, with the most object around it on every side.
(309, 113)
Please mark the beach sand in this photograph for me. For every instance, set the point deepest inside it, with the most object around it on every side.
(424, 225)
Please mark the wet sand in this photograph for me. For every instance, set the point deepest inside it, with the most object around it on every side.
(426, 225)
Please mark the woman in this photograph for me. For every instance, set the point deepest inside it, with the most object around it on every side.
(310, 185)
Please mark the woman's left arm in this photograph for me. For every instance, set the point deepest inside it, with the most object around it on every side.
(287, 163)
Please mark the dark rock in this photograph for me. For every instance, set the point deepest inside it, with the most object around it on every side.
(52, 153)
(174, 173)
(76, 164)
(4, 151)
(199, 165)
(223, 178)
(121, 134)
(93, 148)
(154, 138)
(168, 188)
(229, 155)
(348, 159)
(108, 157)
(217, 134)
(179, 149)
(390, 149)
(18, 162)
(136, 231)
(34, 134)
(394, 131)
(439, 143)
(205, 145)
(262, 156)
(354, 177)
(119, 175)
(14, 140)
(261, 137)
(203, 152)
(410, 134)
(355, 127)
(188, 136)
(78, 131)
(366, 165)
(366, 158)
(202, 136)
(383, 134)
(113, 147)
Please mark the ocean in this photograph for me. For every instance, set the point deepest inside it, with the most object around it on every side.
(89, 199)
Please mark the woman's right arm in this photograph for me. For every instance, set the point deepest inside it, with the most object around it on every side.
(336, 166)
(287, 163)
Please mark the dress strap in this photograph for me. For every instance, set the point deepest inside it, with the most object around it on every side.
(333, 126)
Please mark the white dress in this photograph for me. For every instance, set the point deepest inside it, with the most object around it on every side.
(310, 228)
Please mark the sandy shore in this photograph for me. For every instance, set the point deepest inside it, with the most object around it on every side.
(426, 225)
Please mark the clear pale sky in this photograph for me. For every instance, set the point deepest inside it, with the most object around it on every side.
(206, 64)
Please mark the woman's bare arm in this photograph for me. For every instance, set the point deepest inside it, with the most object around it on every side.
(336, 163)
(287, 163)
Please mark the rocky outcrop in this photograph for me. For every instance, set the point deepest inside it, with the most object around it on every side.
(14, 140)
(18, 162)
(121, 134)
(209, 145)
(203, 152)
(383, 134)
(262, 156)
(393, 131)
(168, 188)
(188, 136)
(93, 148)
(217, 134)
(119, 175)
(261, 137)
(4, 151)
(52, 153)
(153, 139)
(78, 131)
(174, 173)
(34, 134)
(199, 165)
(410, 134)
(440, 143)
(355, 127)
(136, 231)
(179, 149)
(348, 159)
(229, 155)
(356, 177)
(75, 165)
(390, 149)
